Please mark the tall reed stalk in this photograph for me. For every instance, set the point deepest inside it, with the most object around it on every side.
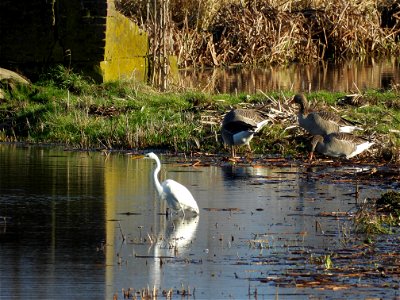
(155, 17)
(158, 28)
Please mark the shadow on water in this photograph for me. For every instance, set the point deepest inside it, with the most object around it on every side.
(343, 77)
(82, 225)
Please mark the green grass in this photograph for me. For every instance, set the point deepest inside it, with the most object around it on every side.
(66, 108)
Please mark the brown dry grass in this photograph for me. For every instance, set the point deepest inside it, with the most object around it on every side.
(218, 33)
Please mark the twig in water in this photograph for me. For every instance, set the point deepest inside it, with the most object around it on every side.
(318, 225)
(357, 192)
(140, 233)
(120, 229)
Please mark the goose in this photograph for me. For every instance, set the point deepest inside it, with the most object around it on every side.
(339, 145)
(239, 127)
(322, 122)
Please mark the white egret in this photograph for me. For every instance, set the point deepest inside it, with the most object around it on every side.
(321, 122)
(177, 196)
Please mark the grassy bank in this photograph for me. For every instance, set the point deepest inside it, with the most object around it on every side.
(67, 109)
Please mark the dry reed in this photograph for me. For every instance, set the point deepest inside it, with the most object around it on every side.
(212, 33)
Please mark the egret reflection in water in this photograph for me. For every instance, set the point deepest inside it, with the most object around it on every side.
(176, 236)
(173, 244)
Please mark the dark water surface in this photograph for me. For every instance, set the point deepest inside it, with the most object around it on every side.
(64, 215)
(349, 77)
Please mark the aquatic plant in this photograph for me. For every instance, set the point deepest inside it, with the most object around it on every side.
(323, 260)
(369, 223)
(155, 293)
(378, 216)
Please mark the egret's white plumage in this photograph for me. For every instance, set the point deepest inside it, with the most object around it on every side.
(177, 196)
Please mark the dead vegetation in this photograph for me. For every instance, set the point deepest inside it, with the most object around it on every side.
(220, 33)
(154, 293)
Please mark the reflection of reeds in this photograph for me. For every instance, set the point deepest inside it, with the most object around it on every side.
(346, 76)
(217, 33)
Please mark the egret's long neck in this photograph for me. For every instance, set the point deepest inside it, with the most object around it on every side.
(155, 175)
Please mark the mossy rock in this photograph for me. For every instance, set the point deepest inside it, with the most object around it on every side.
(389, 201)
(9, 81)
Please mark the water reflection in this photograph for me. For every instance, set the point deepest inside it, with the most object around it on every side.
(343, 77)
(49, 199)
(179, 233)
(87, 225)
(174, 241)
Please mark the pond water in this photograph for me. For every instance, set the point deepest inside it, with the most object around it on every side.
(348, 76)
(85, 225)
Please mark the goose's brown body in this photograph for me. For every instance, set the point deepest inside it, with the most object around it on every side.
(321, 122)
(339, 145)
